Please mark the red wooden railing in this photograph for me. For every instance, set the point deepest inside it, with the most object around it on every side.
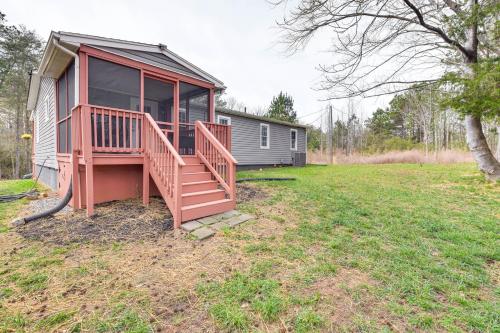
(115, 130)
(217, 158)
(165, 166)
(221, 133)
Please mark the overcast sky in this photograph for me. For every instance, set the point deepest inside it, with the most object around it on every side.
(236, 41)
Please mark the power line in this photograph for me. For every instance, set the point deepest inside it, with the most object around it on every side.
(310, 114)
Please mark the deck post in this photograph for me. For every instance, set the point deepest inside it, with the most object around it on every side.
(176, 115)
(145, 165)
(87, 156)
(75, 151)
(211, 103)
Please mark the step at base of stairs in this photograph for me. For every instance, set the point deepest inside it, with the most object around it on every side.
(196, 211)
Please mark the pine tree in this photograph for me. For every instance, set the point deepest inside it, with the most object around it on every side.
(281, 108)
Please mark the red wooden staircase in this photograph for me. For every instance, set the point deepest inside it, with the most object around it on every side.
(201, 193)
(192, 186)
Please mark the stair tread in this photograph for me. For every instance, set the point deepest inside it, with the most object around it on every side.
(200, 182)
(195, 173)
(191, 194)
(209, 203)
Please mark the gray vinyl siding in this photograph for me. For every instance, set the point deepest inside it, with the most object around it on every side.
(246, 141)
(48, 176)
(45, 125)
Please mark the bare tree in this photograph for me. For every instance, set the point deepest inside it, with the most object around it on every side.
(386, 46)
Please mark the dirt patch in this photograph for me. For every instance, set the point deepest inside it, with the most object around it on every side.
(248, 192)
(126, 220)
(346, 296)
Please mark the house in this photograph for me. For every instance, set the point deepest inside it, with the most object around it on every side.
(262, 142)
(119, 119)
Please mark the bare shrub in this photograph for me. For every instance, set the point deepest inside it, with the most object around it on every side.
(407, 156)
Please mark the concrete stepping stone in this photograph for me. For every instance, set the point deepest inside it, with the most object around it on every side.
(229, 214)
(234, 221)
(208, 220)
(203, 233)
(219, 225)
(191, 225)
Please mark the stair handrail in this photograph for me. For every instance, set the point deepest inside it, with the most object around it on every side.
(171, 148)
(170, 189)
(228, 184)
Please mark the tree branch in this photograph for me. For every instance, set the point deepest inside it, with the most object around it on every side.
(437, 30)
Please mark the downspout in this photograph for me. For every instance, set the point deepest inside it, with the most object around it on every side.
(69, 193)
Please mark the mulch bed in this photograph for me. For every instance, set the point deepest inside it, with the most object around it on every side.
(126, 220)
(115, 221)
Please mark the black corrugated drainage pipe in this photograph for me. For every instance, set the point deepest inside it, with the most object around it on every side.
(48, 212)
(241, 180)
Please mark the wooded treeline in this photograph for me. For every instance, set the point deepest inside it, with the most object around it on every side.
(415, 119)
(20, 52)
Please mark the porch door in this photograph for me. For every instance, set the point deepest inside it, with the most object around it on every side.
(159, 102)
(193, 106)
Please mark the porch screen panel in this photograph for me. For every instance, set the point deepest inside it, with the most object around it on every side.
(193, 105)
(195, 101)
(159, 102)
(113, 85)
(65, 103)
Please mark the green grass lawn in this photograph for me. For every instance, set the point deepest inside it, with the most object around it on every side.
(343, 248)
(8, 210)
(427, 237)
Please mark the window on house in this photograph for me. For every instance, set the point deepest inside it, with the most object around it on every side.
(65, 102)
(113, 85)
(223, 120)
(293, 139)
(264, 136)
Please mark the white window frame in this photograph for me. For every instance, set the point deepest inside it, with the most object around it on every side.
(293, 130)
(268, 136)
(228, 119)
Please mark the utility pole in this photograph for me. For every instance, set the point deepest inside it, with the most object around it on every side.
(330, 134)
(321, 138)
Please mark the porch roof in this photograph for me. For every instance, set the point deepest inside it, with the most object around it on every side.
(54, 60)
(256, 117)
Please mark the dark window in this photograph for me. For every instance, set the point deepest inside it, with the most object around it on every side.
(61, 127)
(65, 103)
(195, 101)
(71, 86)
(293, 139)
(113, 85)
(62, 97)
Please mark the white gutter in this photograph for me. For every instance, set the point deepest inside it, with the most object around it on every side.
(77, 68)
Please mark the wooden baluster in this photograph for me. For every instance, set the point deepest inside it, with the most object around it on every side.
(94, 116)
(136, 132)
(117, 127)
(130, 135)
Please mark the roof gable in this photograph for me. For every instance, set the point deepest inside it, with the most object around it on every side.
(156, 59)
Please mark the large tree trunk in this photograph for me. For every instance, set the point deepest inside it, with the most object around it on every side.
(497, 155)
(480, 149)
(17, 148)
